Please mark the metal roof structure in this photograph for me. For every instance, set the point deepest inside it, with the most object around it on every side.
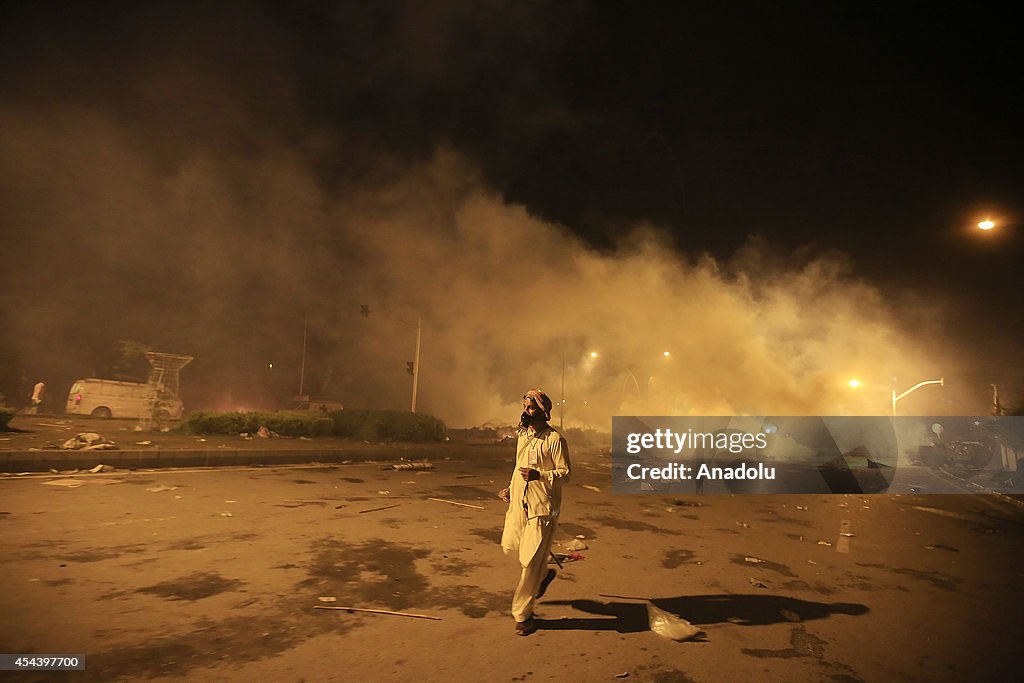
(165, 370)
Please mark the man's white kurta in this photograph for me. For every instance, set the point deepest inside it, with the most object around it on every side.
(539, 500)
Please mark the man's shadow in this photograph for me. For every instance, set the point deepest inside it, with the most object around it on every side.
(700, 610)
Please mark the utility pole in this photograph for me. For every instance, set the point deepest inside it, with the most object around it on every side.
(416, 363)
(997, 408)
(302, 369)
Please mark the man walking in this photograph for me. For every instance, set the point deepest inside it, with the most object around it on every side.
(534, 495)
(37, 397)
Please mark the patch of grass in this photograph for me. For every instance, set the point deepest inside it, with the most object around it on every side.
(362, 425)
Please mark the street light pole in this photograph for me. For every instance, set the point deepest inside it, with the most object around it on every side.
(561, 403)
(895, 398)
(416, 364)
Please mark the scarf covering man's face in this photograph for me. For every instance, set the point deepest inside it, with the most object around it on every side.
(539, 399)
(536, 408)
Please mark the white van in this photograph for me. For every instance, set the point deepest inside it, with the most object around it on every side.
(112, 398)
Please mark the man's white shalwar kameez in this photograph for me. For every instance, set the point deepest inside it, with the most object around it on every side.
(533, 510)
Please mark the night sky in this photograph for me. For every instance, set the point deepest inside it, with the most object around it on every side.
(870, 138)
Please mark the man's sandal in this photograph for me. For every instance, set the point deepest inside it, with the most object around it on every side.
(525, 628)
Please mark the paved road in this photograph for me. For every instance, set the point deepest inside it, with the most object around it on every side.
(213, 575)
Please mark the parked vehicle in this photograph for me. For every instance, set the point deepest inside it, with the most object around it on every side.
(114, 398)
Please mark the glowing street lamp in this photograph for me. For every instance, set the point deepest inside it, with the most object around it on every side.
(986, 225)
(854, 383)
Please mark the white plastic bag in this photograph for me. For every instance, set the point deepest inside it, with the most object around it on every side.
(669, 625)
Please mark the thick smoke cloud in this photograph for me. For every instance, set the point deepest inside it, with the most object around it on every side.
(226, 258)
(192, 202)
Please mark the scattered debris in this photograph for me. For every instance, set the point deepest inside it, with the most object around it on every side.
(559, 558)
(811, 562)
(65, 483)
(378, 611)
(624, 674)
(102, 468)
(386, 507)
(575, 544)
(452, 502)
(226, 514)
(409, 466)
(246, 435)
(743, 524)
(755, 583)
(790, 616)
(847, 534)
(328, 599)
(669, 625)
(88, 441)
(143, 443)
(939, 546)
(826, 543)
(801, 507)
(592, 488)
(161, 487)
(754, 560)
(383, 493)
(264, 433)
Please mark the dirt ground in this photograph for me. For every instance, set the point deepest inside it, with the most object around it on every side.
(214, 574)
